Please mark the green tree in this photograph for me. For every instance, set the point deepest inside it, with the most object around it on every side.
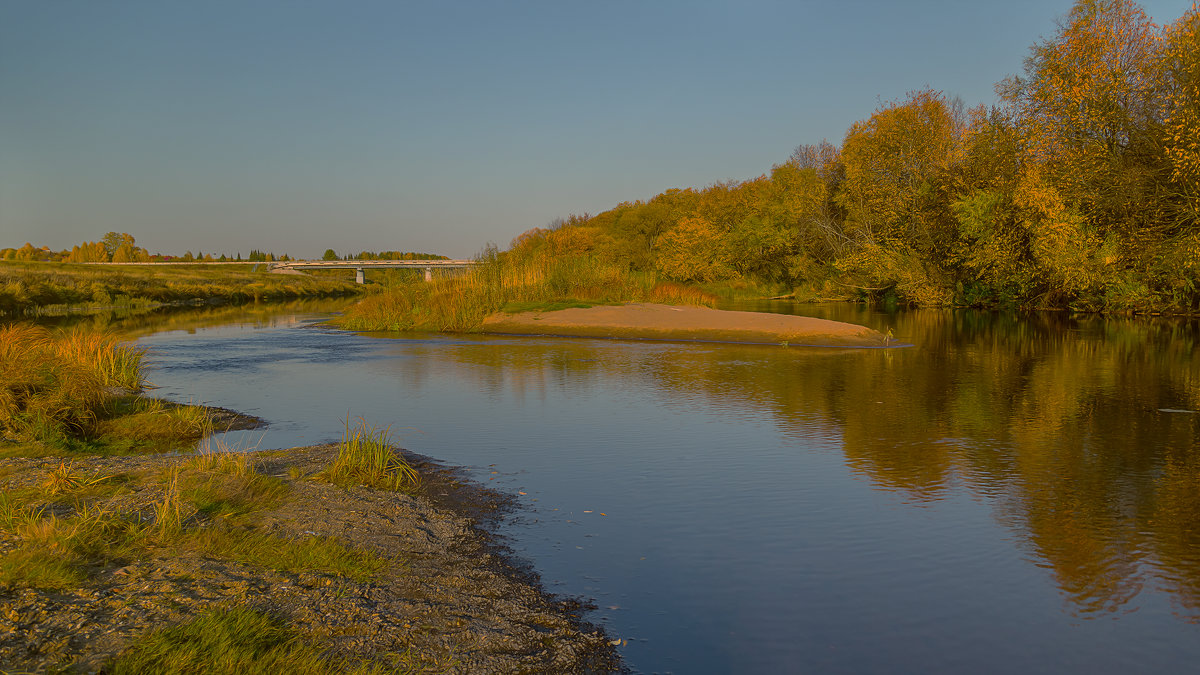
(330, 254)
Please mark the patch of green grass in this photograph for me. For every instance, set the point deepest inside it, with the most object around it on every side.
(366, 457)
(237, 641)
(240, 640)
(323, 555)
(54, 552)
(229, 492)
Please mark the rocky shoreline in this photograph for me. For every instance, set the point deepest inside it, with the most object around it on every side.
(448, 598)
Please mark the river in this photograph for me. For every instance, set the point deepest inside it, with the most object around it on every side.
(1009, 494)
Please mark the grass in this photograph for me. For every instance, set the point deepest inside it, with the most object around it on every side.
(63, 531)
(76, 391)
(31, 287)
(366, 457)
(238, 640)
(508, 282)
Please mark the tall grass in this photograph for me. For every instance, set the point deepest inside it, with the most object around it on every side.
(53, 387)
(366, 457)
(462, 302)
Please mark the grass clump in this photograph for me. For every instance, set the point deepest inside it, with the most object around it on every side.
(366, 457)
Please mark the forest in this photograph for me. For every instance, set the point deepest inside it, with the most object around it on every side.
(1079, 190)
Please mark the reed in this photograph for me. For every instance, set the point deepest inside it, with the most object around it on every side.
(366, 457)
(460, 303)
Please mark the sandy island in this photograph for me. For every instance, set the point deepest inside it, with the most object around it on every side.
(666, 322)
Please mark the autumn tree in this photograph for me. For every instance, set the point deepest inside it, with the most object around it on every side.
(693, 250)
(1090, 108)
(897, 164)
(1181, 123)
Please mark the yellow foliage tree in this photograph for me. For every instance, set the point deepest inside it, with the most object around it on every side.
(1181, 57)
(693, 251)
(897, 165)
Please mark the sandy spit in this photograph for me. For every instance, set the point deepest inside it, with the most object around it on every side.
(666, 322)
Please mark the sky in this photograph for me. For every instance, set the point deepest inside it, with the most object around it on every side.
(293, 126)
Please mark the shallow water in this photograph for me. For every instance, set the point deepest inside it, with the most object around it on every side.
(1006, 495)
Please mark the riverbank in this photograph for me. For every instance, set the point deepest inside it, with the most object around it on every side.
(353, 577)
(666, 322)
(30, 288)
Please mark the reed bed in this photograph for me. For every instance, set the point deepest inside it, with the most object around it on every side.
(460, 303)
(55, 387)
(77, 390)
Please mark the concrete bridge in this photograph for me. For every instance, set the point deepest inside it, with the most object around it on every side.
(361, 266)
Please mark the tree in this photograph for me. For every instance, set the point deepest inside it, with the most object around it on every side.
(113, 241)
(330, 254)
(897, 164)
(1090, 106)
(1181, 132)
(693, 251)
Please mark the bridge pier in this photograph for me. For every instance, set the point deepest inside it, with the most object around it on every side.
(360, 276)
(428, 274)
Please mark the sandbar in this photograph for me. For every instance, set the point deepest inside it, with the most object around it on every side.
(646, 321)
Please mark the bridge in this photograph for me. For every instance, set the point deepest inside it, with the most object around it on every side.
(360, 267)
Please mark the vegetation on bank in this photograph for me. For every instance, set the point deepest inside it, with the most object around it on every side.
(27, 288)
(367, 457)
(511, 281)
(77, 391)
(74, 525)
(1081, 190)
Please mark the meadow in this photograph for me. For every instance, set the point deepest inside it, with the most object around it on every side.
(31, 288)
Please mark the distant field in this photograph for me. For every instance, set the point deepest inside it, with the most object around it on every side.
(26, 287)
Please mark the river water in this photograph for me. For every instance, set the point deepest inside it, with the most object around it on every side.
(1006, 495)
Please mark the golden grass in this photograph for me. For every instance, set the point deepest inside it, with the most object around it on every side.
(462, 302)
(53, 387)
(76, 390)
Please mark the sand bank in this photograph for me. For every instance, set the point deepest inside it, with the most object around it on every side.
(665, 322)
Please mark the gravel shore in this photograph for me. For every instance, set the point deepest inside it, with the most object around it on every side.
(448, 595)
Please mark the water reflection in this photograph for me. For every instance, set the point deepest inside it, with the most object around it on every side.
(774, 509)
(1055, 422)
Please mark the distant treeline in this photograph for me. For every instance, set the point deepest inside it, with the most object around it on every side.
(330, 254)
(1081, 189)
(121, 247)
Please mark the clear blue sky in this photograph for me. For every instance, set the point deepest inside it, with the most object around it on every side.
(296, 126)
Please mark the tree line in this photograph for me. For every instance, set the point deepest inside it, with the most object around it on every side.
(121, 247)
(1079, 189)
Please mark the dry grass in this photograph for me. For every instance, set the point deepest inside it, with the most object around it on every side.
(55, 386)
(76, 390)
(462, 302)
(29, 287)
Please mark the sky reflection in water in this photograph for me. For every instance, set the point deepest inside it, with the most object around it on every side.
(1004, 496)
